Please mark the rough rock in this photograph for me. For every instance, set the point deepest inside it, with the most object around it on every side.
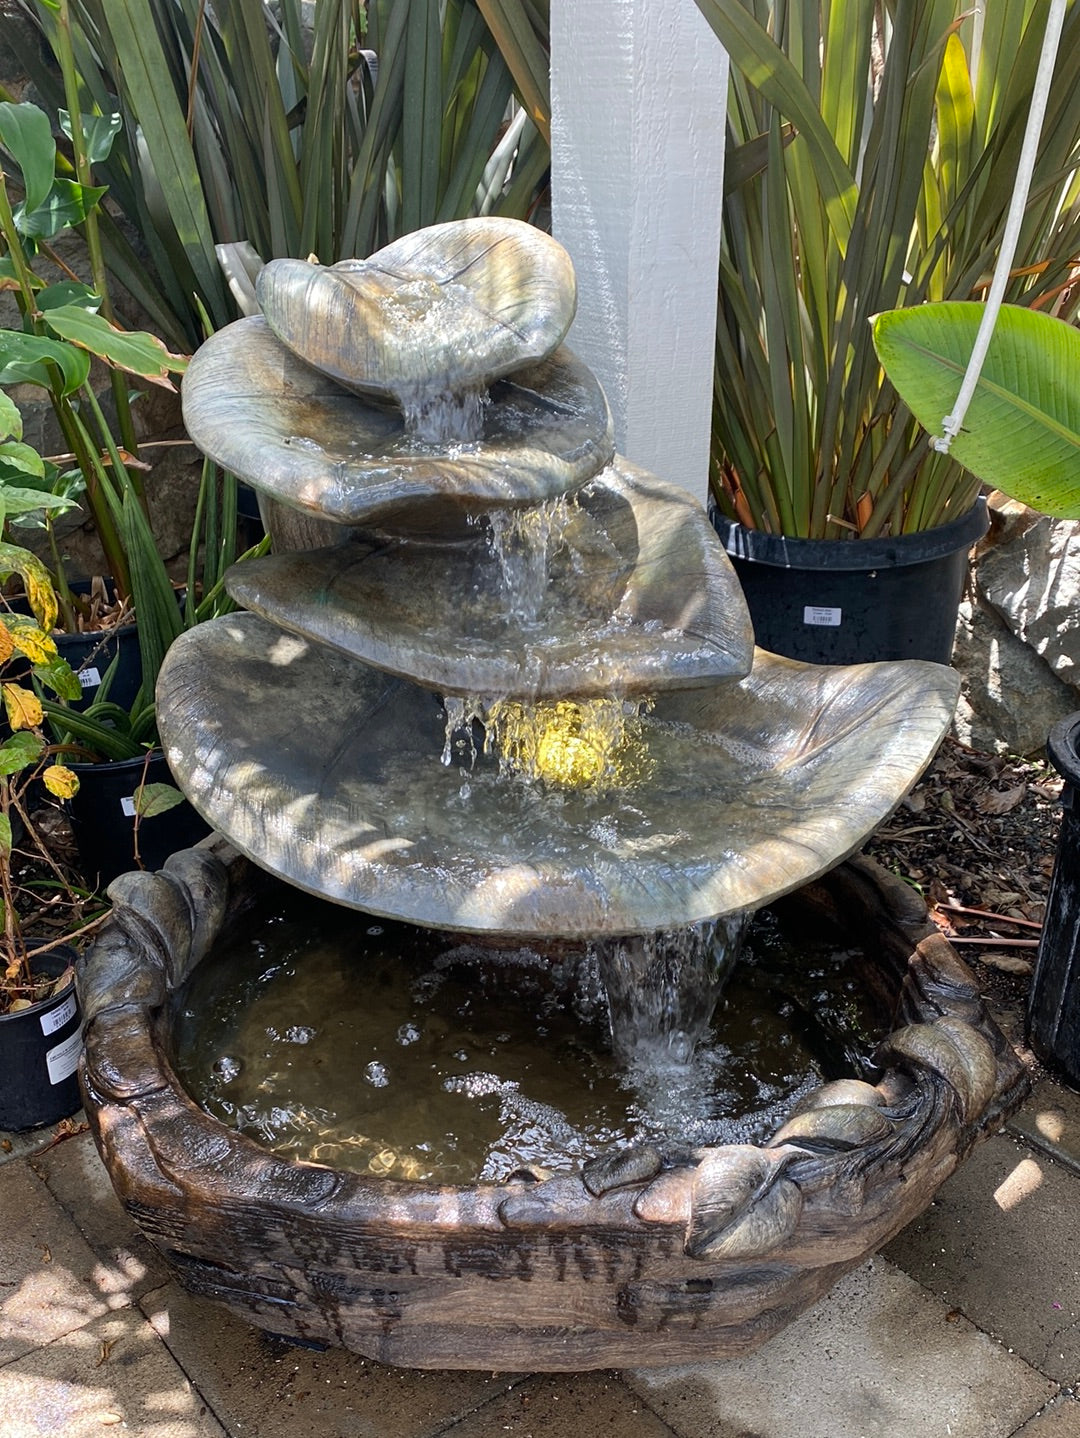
(1031, 577)
(1018, 636)
(1009, 699)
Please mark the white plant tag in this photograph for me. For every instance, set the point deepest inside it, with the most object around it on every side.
(63, 1060)
(57, 1018)
(90, 678)
(127, 805)
(821, 617)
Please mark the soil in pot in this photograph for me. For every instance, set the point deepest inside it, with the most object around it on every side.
(39, 1051)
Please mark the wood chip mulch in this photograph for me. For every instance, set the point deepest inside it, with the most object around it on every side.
(977, 837)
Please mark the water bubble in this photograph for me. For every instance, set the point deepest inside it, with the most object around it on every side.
(376, 1074)
(299, 1034)
(227, 1068)
(408, 1034)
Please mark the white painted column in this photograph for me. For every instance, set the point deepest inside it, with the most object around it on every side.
(638, 92)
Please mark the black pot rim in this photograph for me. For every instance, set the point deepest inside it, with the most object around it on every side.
(786, 552)
(116, 766)
(66, 955)
(1063, 748)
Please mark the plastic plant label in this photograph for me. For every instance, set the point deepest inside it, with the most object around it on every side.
(90, 678)
(127, 806)
(63, 1060)
(821, 617)
(57, 1018)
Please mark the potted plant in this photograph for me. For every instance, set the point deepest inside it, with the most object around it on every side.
(1022, 435)
(872, 149)
(63, 329)
(40, 1037)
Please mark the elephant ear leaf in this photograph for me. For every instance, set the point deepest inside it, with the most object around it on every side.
(1021, 433)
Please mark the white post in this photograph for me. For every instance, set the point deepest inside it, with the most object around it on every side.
(638, 92)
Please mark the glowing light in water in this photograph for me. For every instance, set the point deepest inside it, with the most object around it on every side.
(572, 743)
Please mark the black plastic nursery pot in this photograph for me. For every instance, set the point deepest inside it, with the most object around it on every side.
(103, 818)
(39, 1052)
(1054, 1003)
(839, 601)
(92, 653)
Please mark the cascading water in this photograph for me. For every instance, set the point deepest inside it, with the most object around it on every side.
(604, 766)
(562, 754)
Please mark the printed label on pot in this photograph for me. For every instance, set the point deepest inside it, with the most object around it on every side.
(63, 1060)
(57, 1018)
(90, 678)
(127, 806)
(821, 617)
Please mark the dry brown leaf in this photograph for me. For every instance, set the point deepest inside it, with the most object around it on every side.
(937, 893)
(1000, 801)
(107, 1346)
(915, 803)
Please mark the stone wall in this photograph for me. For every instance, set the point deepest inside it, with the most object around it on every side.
(1018, 639)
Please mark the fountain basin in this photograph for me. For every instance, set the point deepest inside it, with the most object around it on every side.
(644, 1257)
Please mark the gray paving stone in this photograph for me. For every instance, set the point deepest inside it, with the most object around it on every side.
(1050, 1122)
(78, 1180)
(1059, 1419)
(1001, 1243)
(50, 1279)
(588, 1405)
(261, 1387)
(877, 1358)
(14, 1146)
(112, 1376)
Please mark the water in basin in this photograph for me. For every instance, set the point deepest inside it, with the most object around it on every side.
(405, 1053)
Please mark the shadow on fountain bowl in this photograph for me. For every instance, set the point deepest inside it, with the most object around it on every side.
(656, 1253)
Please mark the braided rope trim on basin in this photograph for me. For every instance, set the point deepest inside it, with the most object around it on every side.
(646, 1256)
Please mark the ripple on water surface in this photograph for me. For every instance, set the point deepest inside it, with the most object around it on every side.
(397, 1051)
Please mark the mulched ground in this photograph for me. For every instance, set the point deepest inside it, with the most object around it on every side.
(977, 837)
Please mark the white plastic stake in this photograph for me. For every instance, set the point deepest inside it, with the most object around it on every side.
(952, 423)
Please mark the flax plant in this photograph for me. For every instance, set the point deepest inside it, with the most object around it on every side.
(891, 132)
(328, 129)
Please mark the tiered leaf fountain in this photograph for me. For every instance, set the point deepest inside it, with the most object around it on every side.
(516, 698)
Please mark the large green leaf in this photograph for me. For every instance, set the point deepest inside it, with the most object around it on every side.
(135, 351)
(66, 204)
(26, 359)
(25, 133)
(1022, 430)
(11, 424)
(98, 134)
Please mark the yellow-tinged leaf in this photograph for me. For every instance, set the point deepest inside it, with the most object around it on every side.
(7, 644)
(38, 646)
(61, 781)
(35, 577)
(42, 596)
(23, 707)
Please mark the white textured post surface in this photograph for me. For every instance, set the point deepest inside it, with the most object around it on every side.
(638, 92)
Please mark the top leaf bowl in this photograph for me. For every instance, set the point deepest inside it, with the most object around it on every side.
(449, 309)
